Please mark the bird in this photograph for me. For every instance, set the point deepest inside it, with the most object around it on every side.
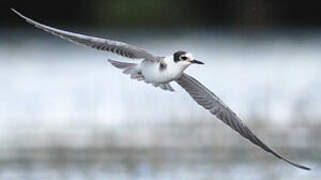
(160, 72)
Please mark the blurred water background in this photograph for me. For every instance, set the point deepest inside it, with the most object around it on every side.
(66, 113)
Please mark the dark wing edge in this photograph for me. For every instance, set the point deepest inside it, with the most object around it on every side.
(119, 48)
(212, 103)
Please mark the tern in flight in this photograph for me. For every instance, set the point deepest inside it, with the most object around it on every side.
(160, 72)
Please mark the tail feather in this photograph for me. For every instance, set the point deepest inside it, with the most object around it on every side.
(128, 68)
(121, 65)
(133, 70)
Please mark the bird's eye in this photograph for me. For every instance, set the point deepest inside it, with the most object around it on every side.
(184, 58)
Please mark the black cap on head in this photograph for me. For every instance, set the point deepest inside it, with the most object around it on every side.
(178, 54)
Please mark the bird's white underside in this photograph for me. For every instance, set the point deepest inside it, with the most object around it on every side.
(153, 73)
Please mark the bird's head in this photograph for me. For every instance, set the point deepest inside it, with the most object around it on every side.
(185, 59)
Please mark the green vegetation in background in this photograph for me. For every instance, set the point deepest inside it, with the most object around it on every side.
(141, 12)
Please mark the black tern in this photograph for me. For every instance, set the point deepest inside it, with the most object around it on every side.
(160, 72)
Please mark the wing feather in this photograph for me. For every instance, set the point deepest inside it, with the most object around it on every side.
(211, 102)
(119, 48)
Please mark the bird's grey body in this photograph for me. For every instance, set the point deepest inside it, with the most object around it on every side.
(160, 72)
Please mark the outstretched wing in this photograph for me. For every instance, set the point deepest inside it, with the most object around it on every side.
(211, 102)
(119, 48)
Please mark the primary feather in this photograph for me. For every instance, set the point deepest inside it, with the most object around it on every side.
(211, 102)
(119, 48)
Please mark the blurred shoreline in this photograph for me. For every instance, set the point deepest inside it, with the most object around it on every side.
(174, 140)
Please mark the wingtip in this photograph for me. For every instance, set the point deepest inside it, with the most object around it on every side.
(306, 168)
(16, 12)
(296, 165)
(303, 167)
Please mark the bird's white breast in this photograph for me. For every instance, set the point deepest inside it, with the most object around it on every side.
(154, 73)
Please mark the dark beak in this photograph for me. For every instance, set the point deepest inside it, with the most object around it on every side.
(196, 62)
